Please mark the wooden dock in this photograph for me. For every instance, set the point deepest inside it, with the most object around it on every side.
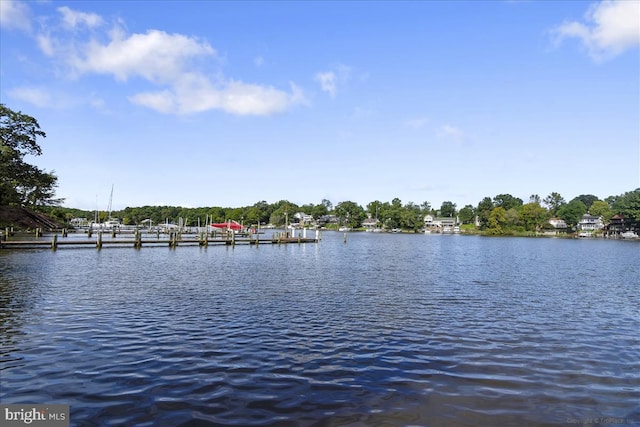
(173, 241)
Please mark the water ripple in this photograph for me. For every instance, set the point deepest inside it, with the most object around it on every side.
(386, 330)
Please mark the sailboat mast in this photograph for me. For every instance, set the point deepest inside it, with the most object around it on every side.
(110, 202)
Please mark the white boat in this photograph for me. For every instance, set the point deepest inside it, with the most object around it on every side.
(629, 235)
(110, 224)
(344, 229)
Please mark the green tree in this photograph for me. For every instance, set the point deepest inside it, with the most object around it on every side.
(601, 208)
(448, 209)
(497, 220)
(467, 214)
(426, 207)
(533, 216)
(507, 201)
(412, 217)
(350, 213)
(572, 212)
(483, 211)
(586, 199)
(283, 212)
(513, 217)
(22, 183)
(627, 205)
(319, 210)
(553, 202)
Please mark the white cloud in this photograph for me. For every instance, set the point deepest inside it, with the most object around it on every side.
(612, 27)
(330, 80)
(327, 82)
(73, 19)
(194, 94)
(451, 133)
(156, 56)
(172, 63)
(34, 95)
(45, 97)
(14, 15)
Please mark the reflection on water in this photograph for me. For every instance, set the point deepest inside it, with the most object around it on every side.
(382, 330)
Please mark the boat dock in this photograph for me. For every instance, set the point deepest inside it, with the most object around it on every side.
(173, 240)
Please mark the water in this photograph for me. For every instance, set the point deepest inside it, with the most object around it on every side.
(386, 329)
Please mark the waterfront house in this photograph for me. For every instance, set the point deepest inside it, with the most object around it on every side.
(370, 223)
(558, 223)
(590, 223)
(327, 219)
(439, 225)
(618, 224)
(303, 219)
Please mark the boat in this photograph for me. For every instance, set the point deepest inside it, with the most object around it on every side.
(229, 225)
(629, 235)
(111, 223)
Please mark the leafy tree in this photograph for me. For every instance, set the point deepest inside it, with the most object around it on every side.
(319, 210)
(507, 201)
(553, 202)
(628, 205)
(513, 217)
(497, 220)
(533, 216)
(467, 214)
(283, 212)
(412, 217)
(483, 211)
(350, 213)
(373, 208)
(572, 212)
(22, 183)
(586, 199)
(601, 208)
(426, 207)
(448, 209)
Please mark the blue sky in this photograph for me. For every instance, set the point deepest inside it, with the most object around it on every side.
(230, 103)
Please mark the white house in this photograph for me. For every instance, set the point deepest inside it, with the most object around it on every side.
(303, 218)
(558, 223)
(370, 223)
(439, 224)
(590, 223)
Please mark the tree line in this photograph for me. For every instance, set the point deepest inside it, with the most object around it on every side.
(22, 184)
(501, 214)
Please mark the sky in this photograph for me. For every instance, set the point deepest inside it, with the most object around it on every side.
(213, 103)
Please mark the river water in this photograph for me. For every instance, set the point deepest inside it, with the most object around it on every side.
(383, 330)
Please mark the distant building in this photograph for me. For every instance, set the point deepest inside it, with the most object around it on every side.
(327, 219)
(590, 223)
(617, 225)
(303, 219)
(370, 223)
(439, 224)
(79, 222)
(558, 223)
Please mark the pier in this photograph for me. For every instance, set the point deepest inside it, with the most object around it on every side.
(137, 240)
